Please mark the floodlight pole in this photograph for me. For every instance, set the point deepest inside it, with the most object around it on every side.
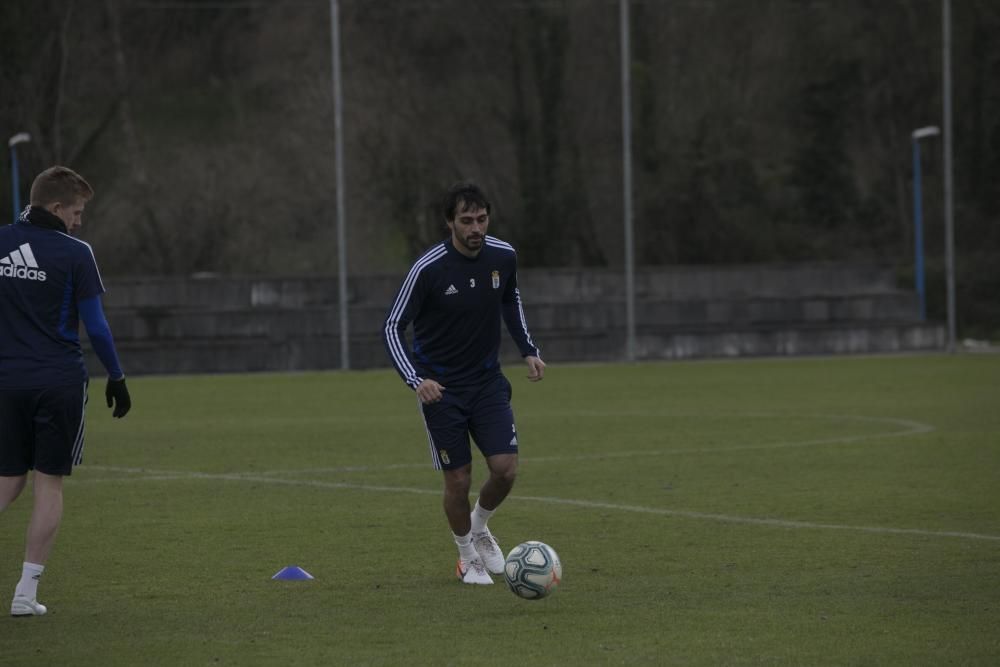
(949, 216)
(626, 64)
(918, 217)
(15, 182)
(338, 133)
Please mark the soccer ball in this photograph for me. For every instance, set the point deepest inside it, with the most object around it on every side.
(532, 570)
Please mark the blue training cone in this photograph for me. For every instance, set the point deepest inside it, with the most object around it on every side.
(292, 573)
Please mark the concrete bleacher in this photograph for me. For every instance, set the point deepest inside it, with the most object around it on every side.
(235, 324)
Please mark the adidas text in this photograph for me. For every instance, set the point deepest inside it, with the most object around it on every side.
(9, 271)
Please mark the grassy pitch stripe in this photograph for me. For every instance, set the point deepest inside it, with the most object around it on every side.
(397, 349)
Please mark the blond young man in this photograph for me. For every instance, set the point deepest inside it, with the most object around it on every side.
(49, 281)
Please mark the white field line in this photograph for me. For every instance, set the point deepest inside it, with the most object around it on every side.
(152, 475)
(147, 475)
(269, 477)
(780, 523)
(907, 427)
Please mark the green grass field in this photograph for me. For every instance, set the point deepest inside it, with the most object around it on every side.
(841, 511)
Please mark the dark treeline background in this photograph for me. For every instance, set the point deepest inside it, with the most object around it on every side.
(764, 130)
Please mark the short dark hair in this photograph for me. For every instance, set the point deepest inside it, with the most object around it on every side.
(59, 184)
(466, 193)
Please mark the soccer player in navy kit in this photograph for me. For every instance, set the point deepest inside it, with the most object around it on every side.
(48, 281)
(455, 295)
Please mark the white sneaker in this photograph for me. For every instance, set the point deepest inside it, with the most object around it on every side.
(22, 606)
(472, 572)
(488, 549)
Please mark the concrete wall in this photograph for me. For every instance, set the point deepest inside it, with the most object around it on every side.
(234, 324)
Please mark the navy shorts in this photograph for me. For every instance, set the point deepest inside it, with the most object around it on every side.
(482, 411)
(41, 429)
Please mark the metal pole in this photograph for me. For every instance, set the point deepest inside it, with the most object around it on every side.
(626, 63)
(14, 182)
(338, 133)
(918, 232)
(918, 216)
(949, 218)
(15, 171)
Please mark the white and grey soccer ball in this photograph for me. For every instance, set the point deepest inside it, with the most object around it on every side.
(533, 570)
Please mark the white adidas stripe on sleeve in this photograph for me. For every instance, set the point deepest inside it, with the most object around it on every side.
(396, 345)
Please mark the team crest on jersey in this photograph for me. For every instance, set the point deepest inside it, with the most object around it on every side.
(496, 279)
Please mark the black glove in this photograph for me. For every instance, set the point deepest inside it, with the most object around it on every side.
(117, 394)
